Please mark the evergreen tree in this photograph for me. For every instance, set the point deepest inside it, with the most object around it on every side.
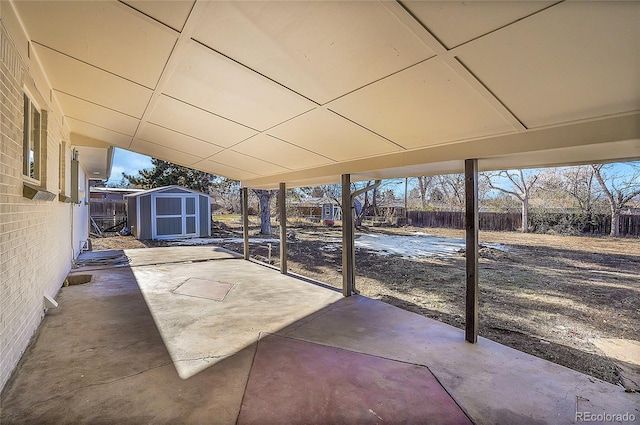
(166, 173)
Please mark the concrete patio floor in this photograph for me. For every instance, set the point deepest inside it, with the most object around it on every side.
(222, 340)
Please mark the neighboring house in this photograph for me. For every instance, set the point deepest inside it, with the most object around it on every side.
(112, 193)
(391, 212)
(316, 209)
(169, 212)
(44, 213)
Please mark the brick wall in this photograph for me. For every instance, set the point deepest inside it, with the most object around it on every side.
(35, 236)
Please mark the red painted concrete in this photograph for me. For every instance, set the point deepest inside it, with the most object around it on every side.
(298, 382)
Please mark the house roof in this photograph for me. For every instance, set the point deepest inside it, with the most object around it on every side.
(124, 190)
(164, 189)
(301, 92)
(313, 202)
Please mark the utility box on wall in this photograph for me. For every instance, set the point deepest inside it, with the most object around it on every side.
(75, 183)
(169, 212)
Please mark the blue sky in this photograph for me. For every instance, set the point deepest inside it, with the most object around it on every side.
(127, 162)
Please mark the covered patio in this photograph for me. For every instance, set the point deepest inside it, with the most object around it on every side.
(197, 335)
(278, 95)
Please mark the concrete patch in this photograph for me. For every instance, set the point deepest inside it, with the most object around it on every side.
(204, 288)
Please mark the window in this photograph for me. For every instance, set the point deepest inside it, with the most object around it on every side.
(31, 141)
(62, 167)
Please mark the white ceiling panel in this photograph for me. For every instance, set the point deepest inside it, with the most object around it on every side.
(281, 153)
(423, 106)
(195, 122)
(171, 13)
(224, 170)
(162, 152)
(98, 115)
(247, 163)
(456, 22)
(332, 136)
(212, 82)
(181, 142)
(319, 49)
(106, 34)
(581, 61)
(92, 84)
(100, 133)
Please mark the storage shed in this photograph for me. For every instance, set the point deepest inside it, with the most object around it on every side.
(169, 212)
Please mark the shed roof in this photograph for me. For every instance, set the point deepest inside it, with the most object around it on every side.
(301, 92)
(165, 189)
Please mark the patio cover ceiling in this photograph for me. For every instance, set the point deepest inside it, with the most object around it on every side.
(301, 92)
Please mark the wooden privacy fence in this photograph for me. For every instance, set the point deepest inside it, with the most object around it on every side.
(541, 222)
(107, 208)
(106, 213)
(455, 220)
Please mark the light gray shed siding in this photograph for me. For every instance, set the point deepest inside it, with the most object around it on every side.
(171, 212)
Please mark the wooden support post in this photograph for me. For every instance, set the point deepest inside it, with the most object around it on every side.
(348, 260)
(245, 220)
(282, 203)
(471, 226)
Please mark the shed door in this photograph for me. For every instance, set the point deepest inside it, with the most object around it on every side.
(175, 216)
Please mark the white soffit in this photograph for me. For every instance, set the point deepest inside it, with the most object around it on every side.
(581, 61)
(321, 50)
(456, 22)
(164, 153)
(171, 139)
(98, 115)
(100, 133)
(171, 13)
(92, 84)
(247, 163)
(330, 135)
(212, 82)
(427, 104)
(281, 153)
(198, 123)
(107, 35)
(94, 161)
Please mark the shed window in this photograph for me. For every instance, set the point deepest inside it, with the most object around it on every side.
(168, 206)
(191, 207)
(168, 226)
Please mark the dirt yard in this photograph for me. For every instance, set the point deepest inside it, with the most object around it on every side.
(560, 298)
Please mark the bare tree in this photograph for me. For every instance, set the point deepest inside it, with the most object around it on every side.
(265, 196)
(619, 190)
(522, 185)
(226, 193)
(331, 191)
(579, 182)
(424, 183)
